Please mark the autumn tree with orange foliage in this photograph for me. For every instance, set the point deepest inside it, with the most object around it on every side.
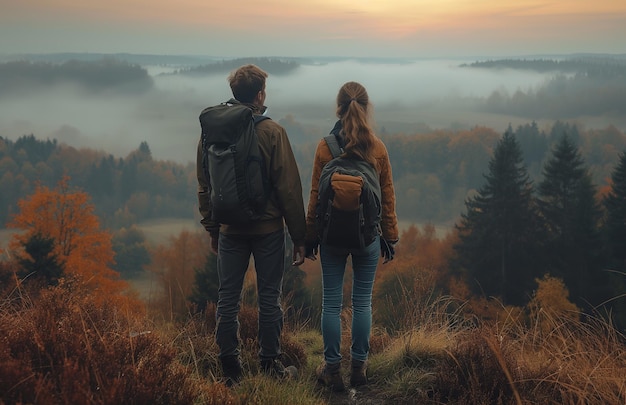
(66, 217)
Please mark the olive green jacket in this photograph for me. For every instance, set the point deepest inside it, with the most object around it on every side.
(285, 206)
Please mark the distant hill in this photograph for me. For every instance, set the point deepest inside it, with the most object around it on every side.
(572, 64)
(140, 59)
(108, 74)
(274, 66)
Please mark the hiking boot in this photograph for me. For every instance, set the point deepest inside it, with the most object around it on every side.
(358, 377)
(275, 368)
(329, 375)
(231, 368)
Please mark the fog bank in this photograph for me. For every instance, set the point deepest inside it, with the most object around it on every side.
(433, 93)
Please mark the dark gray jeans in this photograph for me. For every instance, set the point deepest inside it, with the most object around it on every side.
(232, 262)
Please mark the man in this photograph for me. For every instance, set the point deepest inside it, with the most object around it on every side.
(264, 239)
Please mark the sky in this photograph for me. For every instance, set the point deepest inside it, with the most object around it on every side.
(301, 28)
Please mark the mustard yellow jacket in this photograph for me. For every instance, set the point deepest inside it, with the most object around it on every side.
(389, 220)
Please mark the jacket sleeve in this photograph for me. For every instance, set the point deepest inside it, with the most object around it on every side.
(389, 220)
(204, 193)
(285, 178)
(318, 164)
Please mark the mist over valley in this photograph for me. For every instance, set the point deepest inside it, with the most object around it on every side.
(409, 96)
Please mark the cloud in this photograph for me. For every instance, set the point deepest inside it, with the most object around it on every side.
(314, 27)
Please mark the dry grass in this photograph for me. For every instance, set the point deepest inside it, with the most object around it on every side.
(65, 347)
(405, 370)
(572, 362)
(62, 346)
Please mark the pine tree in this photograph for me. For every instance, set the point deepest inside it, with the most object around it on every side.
(615, 237)
(206, 284)
(615, 224)
(40, 263)
(534, 144)
(131, 252)
(498, 231)
(560, 128)
(571, 215)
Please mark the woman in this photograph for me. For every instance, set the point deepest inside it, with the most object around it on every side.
(354, 133)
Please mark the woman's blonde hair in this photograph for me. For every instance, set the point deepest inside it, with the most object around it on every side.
(353, 109)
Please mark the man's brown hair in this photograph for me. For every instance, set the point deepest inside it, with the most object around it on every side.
(246, 82)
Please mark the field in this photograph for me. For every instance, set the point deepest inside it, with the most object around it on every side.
(158, 231)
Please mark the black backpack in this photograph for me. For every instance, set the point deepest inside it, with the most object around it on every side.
(233, 164)
(349, 209)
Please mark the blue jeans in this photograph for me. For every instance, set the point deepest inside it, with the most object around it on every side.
(232, 263)
(364, 264)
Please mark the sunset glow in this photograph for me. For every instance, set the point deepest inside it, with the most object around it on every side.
(317, 26)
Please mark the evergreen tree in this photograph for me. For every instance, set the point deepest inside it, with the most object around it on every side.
(128, 178)
(144, 151)
(131, 253)
(206, 284)
(615, 234)
(36, 150)
(560, 129)
(40, 263)
(615, 224)
(498, 233)
(571, 215)
(534, 144)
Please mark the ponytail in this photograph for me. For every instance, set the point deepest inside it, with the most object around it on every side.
(353, 110)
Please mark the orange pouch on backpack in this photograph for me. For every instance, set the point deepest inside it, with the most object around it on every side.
(347, 190)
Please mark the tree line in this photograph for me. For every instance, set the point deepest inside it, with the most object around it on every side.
(606, 66)
(107, 74)
(433, 172)
(274, 66)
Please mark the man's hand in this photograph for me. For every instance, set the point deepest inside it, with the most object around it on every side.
(298, 255)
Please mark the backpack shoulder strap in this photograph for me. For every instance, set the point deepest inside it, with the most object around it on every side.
(333, 145)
